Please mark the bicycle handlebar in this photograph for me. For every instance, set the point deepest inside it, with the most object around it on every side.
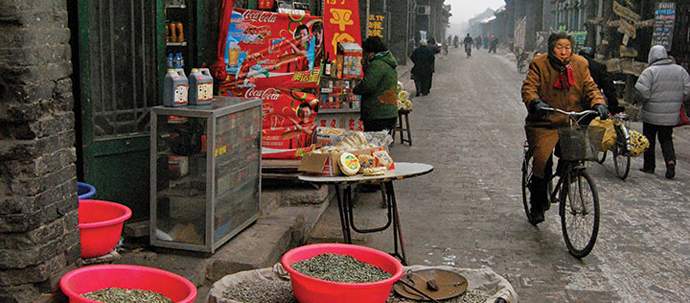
(572, 114)
(577, 116)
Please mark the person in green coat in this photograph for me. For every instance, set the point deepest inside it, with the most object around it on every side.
(379, 107)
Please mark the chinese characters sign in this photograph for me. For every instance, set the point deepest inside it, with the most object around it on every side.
(341, 24)
(664, 19)
(376, 26)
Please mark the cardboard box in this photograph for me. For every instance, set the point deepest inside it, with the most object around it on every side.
(327, 164)
(349, 60)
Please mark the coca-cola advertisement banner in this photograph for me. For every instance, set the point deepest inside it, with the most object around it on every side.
(267, 49)
(288, 120)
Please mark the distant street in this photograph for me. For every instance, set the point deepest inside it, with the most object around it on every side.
(468, 211)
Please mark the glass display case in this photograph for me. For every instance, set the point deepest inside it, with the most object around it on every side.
(205, 172)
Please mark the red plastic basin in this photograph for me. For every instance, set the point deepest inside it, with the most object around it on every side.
(312, 290)
(92, 278)
(100, 225)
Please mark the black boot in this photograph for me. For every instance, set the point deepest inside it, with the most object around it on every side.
(538, 200)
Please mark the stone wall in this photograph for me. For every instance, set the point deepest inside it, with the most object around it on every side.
(39, 237)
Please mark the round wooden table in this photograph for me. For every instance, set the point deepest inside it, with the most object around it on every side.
(402, 170)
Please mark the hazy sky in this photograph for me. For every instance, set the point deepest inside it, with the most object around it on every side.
(463, 10)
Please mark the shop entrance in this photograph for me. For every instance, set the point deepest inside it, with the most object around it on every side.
(116, 60)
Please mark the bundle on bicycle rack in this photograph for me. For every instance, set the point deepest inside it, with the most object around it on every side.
(580, 142)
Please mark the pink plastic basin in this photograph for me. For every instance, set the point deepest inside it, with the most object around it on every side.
(312, 290)
(100, 225)
(92, 278)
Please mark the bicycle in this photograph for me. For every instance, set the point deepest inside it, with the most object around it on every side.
(522, 62)
(621, 148)
(575, 190)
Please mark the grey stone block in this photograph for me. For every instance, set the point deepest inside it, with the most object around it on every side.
(33, 274)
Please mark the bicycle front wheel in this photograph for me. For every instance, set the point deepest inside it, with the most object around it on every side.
(526, 181)
(579, 210)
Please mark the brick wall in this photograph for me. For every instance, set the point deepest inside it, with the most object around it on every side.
(39, 237)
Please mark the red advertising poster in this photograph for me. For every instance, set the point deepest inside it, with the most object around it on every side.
(341, 24)
(288, 120)
(267, 49)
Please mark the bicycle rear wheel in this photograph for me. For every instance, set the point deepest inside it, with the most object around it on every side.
(579, 210)
(621, 156)
(526, 181)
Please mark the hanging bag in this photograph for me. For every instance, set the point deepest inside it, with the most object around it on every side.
(684, 120)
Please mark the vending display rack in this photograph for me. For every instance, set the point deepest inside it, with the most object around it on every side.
(339, 107)
(205, 172)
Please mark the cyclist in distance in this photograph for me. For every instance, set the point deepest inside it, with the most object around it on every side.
(560, 80)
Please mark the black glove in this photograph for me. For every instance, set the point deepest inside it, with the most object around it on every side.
(538, 107)
(602, 110)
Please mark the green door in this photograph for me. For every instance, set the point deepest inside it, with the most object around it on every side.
(120, 57)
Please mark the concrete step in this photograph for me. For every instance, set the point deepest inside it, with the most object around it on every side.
(262, 244)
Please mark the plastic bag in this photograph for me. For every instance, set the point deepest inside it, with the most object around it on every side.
(638, 143)
(609, 137)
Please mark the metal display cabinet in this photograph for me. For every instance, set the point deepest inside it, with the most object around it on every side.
(205, 172)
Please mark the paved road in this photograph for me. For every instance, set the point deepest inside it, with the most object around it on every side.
(468, 212)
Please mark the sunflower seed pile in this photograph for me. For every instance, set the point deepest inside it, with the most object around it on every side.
(340, 268)
(121, 295)
(261, 291)
(471, 296)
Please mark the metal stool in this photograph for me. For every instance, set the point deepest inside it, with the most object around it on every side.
(403, 126)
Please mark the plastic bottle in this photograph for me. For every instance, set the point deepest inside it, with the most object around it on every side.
(175, 88)
(170, 62)
(200, 86)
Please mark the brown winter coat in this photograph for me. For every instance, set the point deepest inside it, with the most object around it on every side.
(542, 134)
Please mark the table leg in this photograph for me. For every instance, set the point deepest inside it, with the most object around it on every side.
(342, 211)
(397, 229)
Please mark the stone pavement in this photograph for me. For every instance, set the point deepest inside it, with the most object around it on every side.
(468, 212)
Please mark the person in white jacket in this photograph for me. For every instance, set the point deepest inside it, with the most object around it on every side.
(663, 87)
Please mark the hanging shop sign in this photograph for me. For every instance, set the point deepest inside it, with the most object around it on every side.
(664, 21)
(267, 49)
(625, 13)
(376, 26)
(341, 24)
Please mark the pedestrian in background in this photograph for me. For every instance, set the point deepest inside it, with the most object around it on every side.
(494, 43)
(663, 87)
(478, 40)
(423, 69)
(603, 80)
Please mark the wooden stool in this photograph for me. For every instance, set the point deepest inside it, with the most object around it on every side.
(404, 127)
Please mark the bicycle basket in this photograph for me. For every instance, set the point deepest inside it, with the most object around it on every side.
(580, 143)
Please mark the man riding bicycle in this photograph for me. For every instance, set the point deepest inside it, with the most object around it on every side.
(559, 80)
(468, 42)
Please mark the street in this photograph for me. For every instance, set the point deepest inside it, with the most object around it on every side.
(468, 212)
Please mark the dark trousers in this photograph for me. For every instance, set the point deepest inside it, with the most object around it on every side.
(665, 134)
(379, 125)
(422, 83)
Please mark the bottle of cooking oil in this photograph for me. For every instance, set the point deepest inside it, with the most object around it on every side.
(175, 88)
(200, 86)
